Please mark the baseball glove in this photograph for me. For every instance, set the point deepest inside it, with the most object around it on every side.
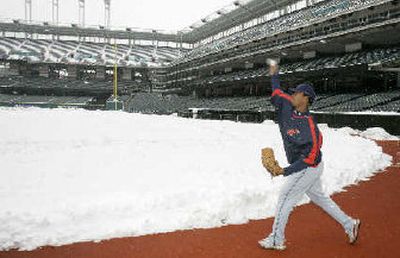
(270, 163)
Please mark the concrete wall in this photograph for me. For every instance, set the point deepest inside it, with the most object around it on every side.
(127, 74)
(44, 70)
(72, 71)
(100, 72)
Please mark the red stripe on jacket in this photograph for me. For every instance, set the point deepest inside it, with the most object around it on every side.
(281, 94)
(315, 147)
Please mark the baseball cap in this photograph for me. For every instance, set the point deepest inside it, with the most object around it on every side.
(307, 89)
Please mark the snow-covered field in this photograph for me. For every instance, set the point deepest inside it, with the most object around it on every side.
(70, 175)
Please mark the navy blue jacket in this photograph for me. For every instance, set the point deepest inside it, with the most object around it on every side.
(301, 137)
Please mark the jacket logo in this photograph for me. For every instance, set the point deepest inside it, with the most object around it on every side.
(292, 132)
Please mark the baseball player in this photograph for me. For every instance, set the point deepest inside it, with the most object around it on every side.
(302, 143)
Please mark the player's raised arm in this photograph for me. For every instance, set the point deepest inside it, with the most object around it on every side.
(273, 72)
(278, 96)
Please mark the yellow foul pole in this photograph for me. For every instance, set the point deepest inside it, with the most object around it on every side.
(115, 72)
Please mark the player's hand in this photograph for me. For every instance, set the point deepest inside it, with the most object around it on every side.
(273, 67)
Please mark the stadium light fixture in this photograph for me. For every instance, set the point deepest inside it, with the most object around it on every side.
(220, 12)
(239, 4)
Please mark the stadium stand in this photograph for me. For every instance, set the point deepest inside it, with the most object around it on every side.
(361, 103)
(217, 67)
(304, 17)
(44, 101)
(73, 52)
(19, 83)
(392, 106)
(347, 102)
(370, 57)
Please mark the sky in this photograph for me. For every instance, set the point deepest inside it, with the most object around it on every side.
(153, 14)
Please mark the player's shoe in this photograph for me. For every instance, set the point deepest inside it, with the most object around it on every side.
(353, 233)
(267, 243)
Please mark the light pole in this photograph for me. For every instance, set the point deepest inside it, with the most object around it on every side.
(28, 11)
(115, 74)
(81, 4)
(54, 12)
(107, 13)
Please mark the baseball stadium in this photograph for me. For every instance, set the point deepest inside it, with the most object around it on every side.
(278, 121)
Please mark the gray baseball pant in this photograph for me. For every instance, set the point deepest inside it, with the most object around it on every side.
(307, 181)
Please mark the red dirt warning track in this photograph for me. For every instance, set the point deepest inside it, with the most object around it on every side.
(310, 232)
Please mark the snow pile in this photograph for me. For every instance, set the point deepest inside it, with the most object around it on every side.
(377, 133)
(374, 133)
(71, 175)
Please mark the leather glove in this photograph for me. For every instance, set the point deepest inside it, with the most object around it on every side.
(270, 163)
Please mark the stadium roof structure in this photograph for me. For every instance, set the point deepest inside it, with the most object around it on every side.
(237, 13)
(46, 28)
